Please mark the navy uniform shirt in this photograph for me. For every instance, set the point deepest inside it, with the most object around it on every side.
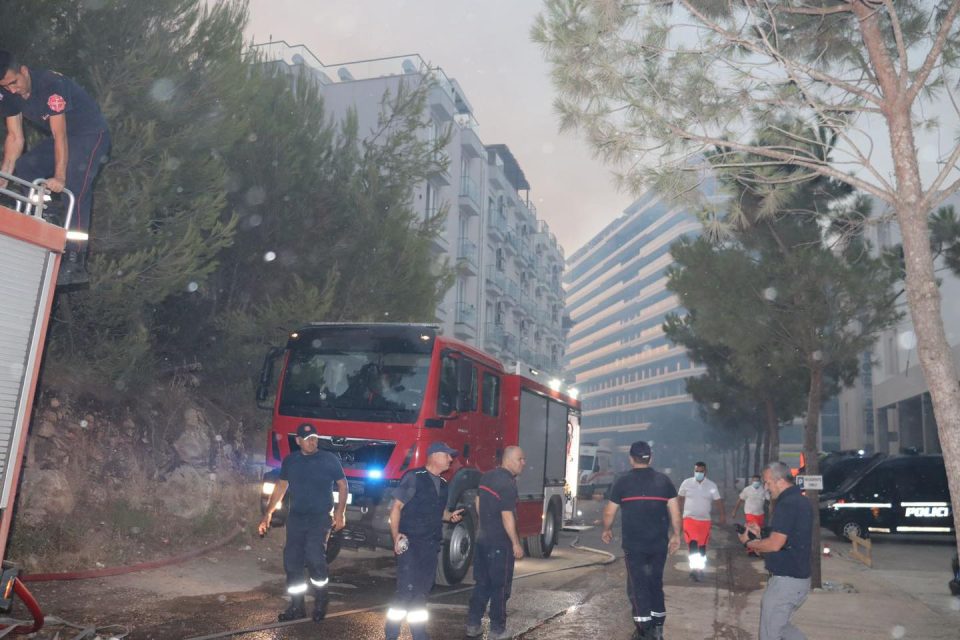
(311, 481)
(408, 486)
(643, 495)
(498, 493)
(793, 517)
(52, 94)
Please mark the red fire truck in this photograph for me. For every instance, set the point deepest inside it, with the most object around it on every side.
(30, 251)
(380, 394)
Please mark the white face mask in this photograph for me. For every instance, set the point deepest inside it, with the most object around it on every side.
(756, 484)
(699, 475)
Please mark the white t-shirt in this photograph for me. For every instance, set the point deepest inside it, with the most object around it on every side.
(753, 500)
(698, 497)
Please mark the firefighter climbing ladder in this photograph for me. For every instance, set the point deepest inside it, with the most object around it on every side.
(30, 251)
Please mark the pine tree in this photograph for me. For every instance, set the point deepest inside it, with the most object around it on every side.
(167, 75)
(783, 295)
(656, 85)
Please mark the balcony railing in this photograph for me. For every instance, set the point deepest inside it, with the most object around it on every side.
(468, 254)
(494, 336)
(496, 224)
(469, 193)
(466, 314)
(513, 290)
(496, 278)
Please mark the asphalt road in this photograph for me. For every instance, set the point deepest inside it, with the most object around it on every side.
(555, 598)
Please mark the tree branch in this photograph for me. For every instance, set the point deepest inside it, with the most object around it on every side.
(898, 38)
(941, 178)
(814, 11)
(935, 50)
(735, 38)
(822, 169)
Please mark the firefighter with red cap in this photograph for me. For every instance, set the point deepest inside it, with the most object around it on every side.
(417, 515)
(308, 476)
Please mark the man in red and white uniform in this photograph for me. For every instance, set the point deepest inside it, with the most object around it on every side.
(697, 496)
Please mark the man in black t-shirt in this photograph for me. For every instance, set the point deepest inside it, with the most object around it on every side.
(308, 476)
(498, 545)
(786, 554)
(417, 515)
(650, 508)
(70, 158)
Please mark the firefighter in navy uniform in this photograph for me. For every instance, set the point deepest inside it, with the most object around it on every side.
(309, 476)
(650, 508)
(70, 158)
(417, 515)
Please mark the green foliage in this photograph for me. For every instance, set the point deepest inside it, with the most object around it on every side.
(655, 86)
(233, 208)
(782, 306)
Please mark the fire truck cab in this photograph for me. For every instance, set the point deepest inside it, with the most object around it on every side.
(380, 394)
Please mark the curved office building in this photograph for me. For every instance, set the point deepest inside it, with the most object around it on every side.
(631, 378)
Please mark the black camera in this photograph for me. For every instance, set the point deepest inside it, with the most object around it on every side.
(764, 532)
(742, 529)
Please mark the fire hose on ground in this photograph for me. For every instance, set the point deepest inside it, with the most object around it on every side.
(607, 559)
(18, 627)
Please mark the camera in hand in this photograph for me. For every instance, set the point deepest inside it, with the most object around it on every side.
(764, 532)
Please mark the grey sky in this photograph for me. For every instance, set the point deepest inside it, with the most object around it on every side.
(485, 46)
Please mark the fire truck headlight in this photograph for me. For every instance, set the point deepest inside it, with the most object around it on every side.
(375, 474)
(268, 488)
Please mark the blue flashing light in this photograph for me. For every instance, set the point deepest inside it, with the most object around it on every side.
(375, 474)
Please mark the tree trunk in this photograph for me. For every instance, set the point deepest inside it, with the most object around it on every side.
(762, 451)
(812, 463)
(746, 458)
(923, 294)
(773, 433)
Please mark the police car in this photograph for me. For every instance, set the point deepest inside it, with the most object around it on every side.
(895, 494)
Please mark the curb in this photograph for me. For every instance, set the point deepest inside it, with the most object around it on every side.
(142, 566)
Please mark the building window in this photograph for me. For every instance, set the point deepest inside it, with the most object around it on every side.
(491, 394)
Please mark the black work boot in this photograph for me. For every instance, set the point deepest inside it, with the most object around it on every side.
(320, 601)
(73, 271)
(657, 632)
(642, 632)
(295, 611)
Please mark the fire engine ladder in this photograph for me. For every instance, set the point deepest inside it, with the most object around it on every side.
(30, 251)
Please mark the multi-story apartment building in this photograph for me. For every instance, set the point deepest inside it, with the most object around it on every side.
(508, 294)
(632, 379)
(889, 408)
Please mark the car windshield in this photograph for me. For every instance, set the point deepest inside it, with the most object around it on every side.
(364, 375)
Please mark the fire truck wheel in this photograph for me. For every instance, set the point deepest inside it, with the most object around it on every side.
(456, 554)
(541, 546)
(333, 548)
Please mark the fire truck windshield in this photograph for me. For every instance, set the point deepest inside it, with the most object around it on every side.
(356, 375)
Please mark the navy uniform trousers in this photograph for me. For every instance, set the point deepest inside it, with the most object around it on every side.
(86, 154)
(416, 571)
(645, 586)
(493, 574)
(306, 546)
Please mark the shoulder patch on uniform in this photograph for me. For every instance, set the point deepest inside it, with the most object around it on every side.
(56, 103)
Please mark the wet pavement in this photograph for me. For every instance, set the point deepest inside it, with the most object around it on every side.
(555, 598)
